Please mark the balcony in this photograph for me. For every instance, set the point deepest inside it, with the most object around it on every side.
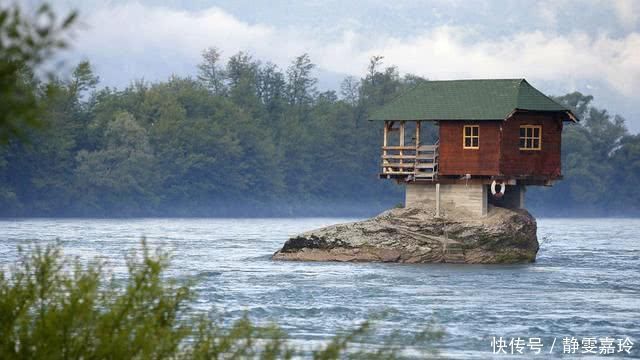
(410, 163)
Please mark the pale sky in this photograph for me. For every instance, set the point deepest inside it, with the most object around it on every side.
(558, 45)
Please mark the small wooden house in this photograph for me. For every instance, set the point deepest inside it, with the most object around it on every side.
(494, 138)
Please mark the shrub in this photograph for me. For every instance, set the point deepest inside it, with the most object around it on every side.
(52, 307)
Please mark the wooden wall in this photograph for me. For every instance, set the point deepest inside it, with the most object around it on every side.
(499, 153)
(454, 160)
(544, 162)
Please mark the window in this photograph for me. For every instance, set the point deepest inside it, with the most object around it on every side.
(530, 137)
(471, 137)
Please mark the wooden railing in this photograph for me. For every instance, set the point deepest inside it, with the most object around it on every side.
(419, 163)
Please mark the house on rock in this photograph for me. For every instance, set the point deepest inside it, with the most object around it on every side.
(495, 138)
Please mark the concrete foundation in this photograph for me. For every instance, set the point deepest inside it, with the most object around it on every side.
(473, 199)
(470, 198)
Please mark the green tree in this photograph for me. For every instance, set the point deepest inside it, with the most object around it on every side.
(40, 170)
(26, 43)
(625, 177)
(272, 91)
(121, 172)
(350, 90)
(300, 82)
(242, 74)
(588, 150)
(210, 73)
(379, 85)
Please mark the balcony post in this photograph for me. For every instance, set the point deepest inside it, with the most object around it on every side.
(385, 133)
(401, 144)
(416, 161)
(384, 146)
(437, 200)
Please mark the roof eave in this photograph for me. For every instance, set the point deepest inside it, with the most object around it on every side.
(569, 113)
(440, 119)
(571, 116)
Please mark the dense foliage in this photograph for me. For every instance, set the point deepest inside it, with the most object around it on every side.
(54, 308)
(246, 138)
(25, 43)
(600, 164)
(243, 138)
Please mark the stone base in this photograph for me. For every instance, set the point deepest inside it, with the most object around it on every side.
(416, 235)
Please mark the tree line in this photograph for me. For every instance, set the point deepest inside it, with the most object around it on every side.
(247, 138)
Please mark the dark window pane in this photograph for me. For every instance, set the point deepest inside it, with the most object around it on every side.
(467, 142)
(522, 143)
(467, 131)
(476, 129)
(536, 143)
(475, 142)
(522, 132)
(536, 132)
(529, 144)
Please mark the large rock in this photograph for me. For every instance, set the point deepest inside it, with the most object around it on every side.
(415, 235)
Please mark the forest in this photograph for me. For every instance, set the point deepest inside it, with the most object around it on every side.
(247, 138)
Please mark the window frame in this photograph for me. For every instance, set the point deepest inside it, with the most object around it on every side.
(464, 137)
(532, 137)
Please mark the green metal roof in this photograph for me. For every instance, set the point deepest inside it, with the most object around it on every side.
(490, 99)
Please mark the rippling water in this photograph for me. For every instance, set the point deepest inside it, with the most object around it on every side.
(586, 281)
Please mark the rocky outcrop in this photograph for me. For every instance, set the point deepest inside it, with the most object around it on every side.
(416, 235)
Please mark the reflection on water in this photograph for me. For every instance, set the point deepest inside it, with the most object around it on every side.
(586, 281)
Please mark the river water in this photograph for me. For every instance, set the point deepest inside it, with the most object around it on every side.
(585, 283)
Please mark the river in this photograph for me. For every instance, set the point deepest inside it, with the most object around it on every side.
(585, 283)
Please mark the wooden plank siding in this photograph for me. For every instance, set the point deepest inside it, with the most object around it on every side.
(543, 162)
(499, 151)
(455, 160)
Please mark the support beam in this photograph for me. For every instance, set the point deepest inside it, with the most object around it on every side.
(485, 200)
(384, 145)
(401, 139)
(438, 200)
(385, 133)
(417, 162)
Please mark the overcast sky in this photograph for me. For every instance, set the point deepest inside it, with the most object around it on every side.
(559, 46)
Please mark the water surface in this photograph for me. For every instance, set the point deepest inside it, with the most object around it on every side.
(586, 281)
